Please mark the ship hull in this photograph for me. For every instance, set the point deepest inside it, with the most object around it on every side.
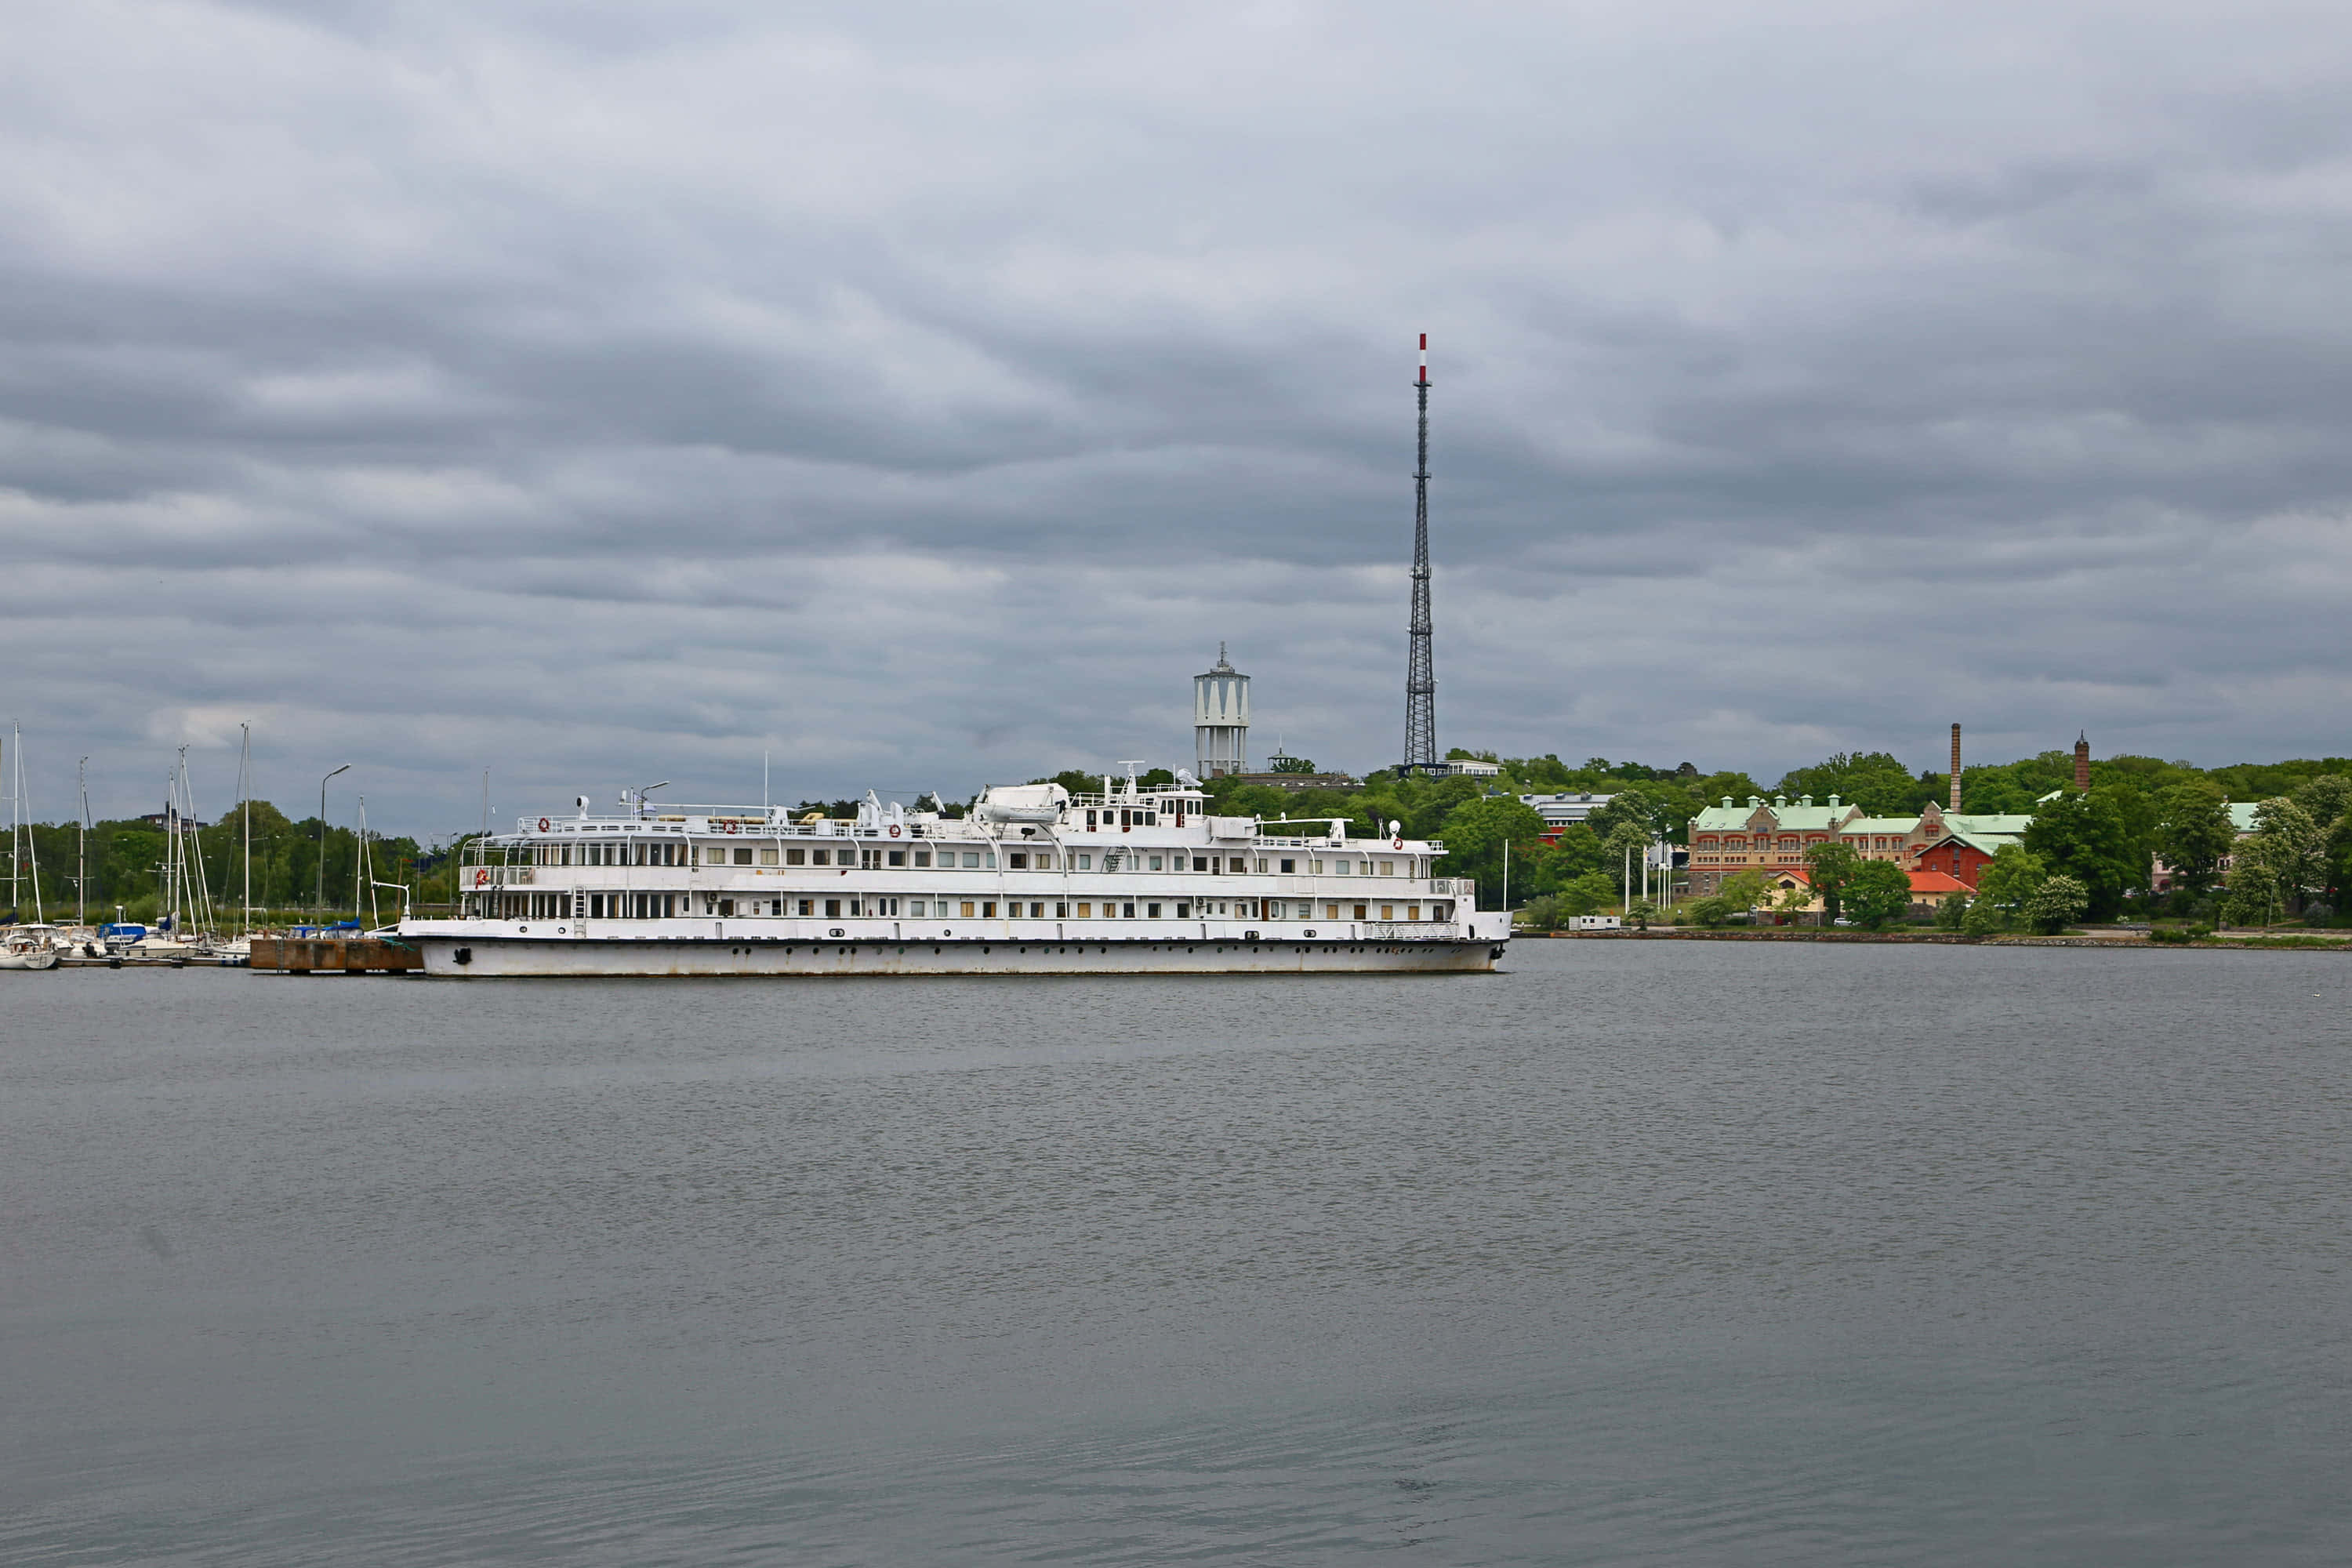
(499, 956)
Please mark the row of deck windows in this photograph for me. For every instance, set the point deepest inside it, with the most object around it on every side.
(666, 906)
(674, 853)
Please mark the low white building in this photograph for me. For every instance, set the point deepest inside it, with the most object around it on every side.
(1561, 811)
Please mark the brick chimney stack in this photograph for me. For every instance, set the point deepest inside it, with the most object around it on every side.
(1955, 767)
(2083, 763)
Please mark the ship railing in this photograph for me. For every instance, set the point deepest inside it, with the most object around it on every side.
(1407, 930)
(1453, 887)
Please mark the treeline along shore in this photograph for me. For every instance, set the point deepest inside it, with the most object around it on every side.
(2137, 812)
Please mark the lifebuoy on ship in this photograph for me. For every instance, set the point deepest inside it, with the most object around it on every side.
(734, 828)
(542, 825)
(1397, 843)
(482, 876)
(894, 830)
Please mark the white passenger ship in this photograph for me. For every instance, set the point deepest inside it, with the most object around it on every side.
(1033, 881)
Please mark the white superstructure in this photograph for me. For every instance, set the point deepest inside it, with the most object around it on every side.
(1034, 880)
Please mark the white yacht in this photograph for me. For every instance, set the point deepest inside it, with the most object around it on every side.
(1034, 880)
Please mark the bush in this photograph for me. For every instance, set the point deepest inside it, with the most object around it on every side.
(1713, 913)
(2057, 902)
(1983, 920)
(1951, 913)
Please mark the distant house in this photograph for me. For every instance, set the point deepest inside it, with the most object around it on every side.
(1561, 811)
(1929, 889)
(165, 819)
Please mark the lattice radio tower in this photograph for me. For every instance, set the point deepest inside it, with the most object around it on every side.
(1420, 669)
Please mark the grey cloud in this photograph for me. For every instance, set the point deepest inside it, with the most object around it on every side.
(919, 395)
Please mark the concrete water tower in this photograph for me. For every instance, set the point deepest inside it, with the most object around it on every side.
(1220, 719)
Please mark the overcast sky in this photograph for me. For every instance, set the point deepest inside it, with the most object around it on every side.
(599, 393)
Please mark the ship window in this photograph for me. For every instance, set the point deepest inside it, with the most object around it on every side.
(795, 856)
(1387, 868)
(808, 906)
(972, 858)
(1061, 911)
(897, 856)
(1330, 912)
(1045, 862)
(1234, 864)
(821, 856)
(1359, 912)
(1183, 911)
(966, 908)
(1288, 866)
(1036, 912)
(922, 857)
(725, 906)
(1017, 861)
(767, 857)
(832, 908)
(744, 854)
(1090, 822)
(1085, 910)
(1388, 911)
(1156, 863)
(1126, 911)
(1086, 862)
(1152, 911)
(1412, 911)
(1341, 868)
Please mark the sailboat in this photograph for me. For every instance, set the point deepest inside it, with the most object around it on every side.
(24, 944)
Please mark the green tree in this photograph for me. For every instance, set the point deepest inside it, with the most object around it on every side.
(1874, 781)
(1831, 867)
(1879, 894)
(2193, 833)
(1983, 919)
(2090, 838)
(1713, 911)
(1586, 895)
(2327, 798)
(2290, 844)
(2260, 882)
(1475, 834)
(2009, 879)
(2058, 902)
(1627, 844)
(1953, 912)
(1743, 890)
(1576, 852)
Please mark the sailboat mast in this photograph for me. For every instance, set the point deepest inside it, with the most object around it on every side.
(81, 844)
(244, 810)
(15, 850)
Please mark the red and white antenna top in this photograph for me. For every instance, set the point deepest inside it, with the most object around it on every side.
(1424, 356)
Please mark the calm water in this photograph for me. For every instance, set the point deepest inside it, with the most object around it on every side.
(1639, 1253)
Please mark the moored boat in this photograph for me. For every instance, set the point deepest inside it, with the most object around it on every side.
(1034, 880)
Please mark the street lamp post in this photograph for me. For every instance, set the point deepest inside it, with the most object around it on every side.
(319, 900)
